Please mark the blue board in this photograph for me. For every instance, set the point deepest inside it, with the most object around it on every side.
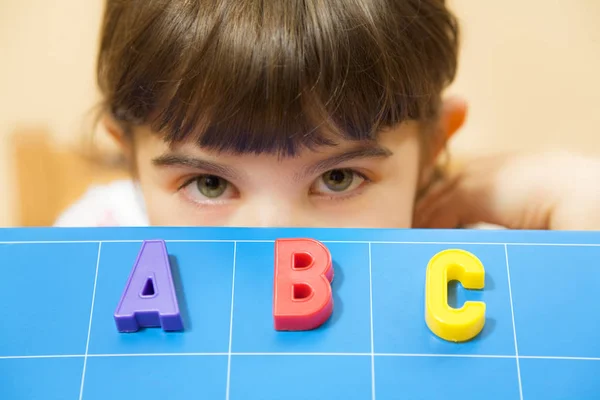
(59, 289)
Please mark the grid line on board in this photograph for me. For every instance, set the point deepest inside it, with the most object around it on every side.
(87, 343)
(512, 312)
(371, 315)
(300, 354)
(500, 243)
(231, 323)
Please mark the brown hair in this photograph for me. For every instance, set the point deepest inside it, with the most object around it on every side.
(252, 76)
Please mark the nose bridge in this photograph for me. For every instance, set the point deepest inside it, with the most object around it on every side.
(277, 214)
(274, 213)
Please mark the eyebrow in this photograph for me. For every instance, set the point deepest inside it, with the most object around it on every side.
(362, 152)
(176, 160)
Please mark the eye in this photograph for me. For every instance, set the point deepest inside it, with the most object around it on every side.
(207, 188)
(211, 186)
(338, 181)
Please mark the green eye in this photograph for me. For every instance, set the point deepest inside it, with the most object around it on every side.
(211, 186)
(338, 180)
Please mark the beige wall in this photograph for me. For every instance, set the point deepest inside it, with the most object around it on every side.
(529, 70)
(46, 74)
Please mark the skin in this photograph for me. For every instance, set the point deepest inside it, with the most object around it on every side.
(350, 185)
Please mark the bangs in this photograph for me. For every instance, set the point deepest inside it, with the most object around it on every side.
(258, 76)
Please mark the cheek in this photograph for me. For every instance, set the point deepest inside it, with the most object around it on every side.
(389, 207)
(390, 203)
(164, 208)
(386, 204)
(159, 207)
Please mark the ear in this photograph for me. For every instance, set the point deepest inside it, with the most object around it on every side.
(452, 117)
(114, 129)
(123, 140)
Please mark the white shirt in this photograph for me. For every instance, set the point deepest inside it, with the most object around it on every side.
(119, 203)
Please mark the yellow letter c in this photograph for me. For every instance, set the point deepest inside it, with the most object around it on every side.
(453, 324)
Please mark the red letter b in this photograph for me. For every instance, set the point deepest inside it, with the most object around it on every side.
(302, 298)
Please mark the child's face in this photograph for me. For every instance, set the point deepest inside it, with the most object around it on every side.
(345, 186)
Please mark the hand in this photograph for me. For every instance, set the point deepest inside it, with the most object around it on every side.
(557, 191)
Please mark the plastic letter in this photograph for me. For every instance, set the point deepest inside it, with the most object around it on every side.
(452, 324)
(302, 297)
(149, 298)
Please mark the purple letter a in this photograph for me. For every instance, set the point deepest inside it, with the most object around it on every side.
(149, 299)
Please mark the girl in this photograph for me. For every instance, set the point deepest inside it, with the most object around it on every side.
(304, 113)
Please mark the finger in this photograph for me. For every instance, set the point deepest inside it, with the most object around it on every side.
(443, 216)
(436, 191)
(440, 208)
(441, 191)
(460, 201)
